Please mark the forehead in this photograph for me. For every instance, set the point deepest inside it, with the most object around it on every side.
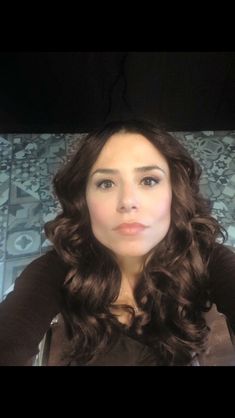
(123, 148)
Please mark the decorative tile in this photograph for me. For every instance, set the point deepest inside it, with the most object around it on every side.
(5, 148)
(2, 265)
(3, 231)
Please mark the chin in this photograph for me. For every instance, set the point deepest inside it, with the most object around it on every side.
(132, 253)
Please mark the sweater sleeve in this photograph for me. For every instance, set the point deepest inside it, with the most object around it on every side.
(222, 281)
(27, 311)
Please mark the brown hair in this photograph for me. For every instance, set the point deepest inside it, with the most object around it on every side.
(172, 291)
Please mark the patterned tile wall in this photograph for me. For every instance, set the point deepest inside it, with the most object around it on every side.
(28, 163)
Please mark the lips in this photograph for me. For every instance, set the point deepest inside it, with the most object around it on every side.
(132, 225)
(130, 228)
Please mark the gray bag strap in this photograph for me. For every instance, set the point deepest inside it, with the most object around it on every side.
(50, 348)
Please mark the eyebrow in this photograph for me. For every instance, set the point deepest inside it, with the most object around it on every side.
(137, 169)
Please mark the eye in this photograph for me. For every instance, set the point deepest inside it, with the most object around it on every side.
(105, 181)
(99, 184)
(151, 179)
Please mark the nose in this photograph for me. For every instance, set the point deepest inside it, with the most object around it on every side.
(128, 200)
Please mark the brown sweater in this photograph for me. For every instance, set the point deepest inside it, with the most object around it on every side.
(26, 313)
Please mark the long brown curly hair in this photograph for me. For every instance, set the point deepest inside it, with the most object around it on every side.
(173, 290)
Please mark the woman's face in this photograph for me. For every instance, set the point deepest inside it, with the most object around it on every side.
(129, 195)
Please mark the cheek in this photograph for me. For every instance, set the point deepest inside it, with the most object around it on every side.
(162, 208)
(99, 212)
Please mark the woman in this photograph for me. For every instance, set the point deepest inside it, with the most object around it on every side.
(136, 262)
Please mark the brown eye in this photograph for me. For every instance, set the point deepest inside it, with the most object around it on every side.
(98, 185)
(156, 181)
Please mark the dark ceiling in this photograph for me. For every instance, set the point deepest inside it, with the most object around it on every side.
(78, 91)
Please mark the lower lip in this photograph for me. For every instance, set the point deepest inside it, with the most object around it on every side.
(131, 230)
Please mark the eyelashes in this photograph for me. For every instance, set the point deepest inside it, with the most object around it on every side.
(105, 181)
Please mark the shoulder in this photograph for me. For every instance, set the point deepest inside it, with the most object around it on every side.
(221, 271)
(50, 260)
(222, 257)
(49, 257)
(48, 269)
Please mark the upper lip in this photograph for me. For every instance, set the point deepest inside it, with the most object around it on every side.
(129, 224)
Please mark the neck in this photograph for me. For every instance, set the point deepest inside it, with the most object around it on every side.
(131, 268)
